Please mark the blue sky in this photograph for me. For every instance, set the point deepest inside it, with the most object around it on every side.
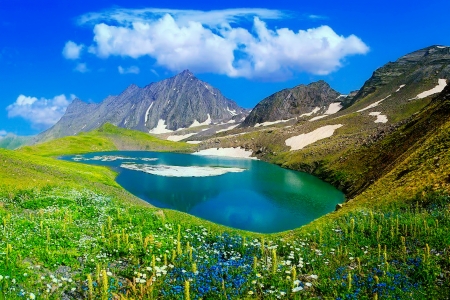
(53, 51)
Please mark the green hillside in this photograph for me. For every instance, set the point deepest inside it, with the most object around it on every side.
(68, 231)
(106, 138)
(12, 141)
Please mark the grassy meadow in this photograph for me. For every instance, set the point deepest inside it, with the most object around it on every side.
(68, 231)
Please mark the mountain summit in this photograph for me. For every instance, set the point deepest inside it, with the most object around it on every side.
(290, 103)
(181, 101)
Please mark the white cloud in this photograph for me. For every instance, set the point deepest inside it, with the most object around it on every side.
(317, 17)
(82, 68)
(130, 70)
(42, 113)
(214, 42)
(72, 50)
(3, 133)
(154, 72)
(211, 18)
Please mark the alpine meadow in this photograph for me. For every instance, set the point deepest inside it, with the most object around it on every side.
(203, 152)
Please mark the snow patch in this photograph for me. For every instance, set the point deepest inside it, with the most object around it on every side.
(334, 108)
(380, 118)
(194, 142)
(180, 171)
(442, 83)
(226, 129)
(271, 123)
(318, 118)
(441, 47)
(177, 138)
(400, 87)
(315, 110)
(373, 104)
(228, 152)
(160, 128)
(232, 112)
(197, 123)
(300, 141)
(146, 113)
(342, 96)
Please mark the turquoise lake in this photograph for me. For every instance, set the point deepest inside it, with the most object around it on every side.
(241, 193)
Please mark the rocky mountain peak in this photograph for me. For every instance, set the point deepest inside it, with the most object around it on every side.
(181, 101)
(185, 73)
(292, 103)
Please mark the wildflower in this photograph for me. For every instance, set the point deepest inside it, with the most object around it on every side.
(1, 277)
(32, 296)
(296, 289)
(308, 284)
(314, 276)
(250, 292)
(109, 273)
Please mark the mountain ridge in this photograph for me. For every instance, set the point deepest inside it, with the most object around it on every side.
(293, 102)
(168, 105)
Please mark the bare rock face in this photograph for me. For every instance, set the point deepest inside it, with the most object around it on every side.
(290, 103)
(178, 102)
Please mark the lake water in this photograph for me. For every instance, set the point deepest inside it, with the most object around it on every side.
(241, 193)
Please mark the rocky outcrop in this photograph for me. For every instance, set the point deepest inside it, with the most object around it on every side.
(291, 103)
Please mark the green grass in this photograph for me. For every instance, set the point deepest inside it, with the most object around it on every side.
(69, 231)
(56, 241)
(106, 138)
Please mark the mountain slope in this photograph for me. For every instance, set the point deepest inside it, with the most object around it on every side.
(290, 103)
(348, 148)
(179, 102)
(409, 73)
(106, 138)
(12, 141)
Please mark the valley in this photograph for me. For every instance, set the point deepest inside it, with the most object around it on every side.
(70, 231)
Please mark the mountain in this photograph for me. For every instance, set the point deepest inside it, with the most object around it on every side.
(12, 141)
(302, 100)
(182, 101)
(390, 116)
(411, 71)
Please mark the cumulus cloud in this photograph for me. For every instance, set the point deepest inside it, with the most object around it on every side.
(82, 68)
(216, 42)
(72, 51)
(42, 113)
(130, 70)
